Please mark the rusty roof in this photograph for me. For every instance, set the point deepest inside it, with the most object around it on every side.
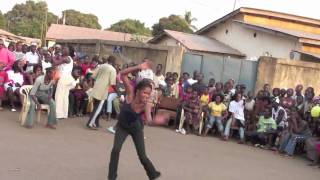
(9, 35)
(199, 43)
(294, 33)
(65, 32)
(261, 12)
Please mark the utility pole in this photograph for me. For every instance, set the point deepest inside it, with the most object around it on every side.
(234, 5)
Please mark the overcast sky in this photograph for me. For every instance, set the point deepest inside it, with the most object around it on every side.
(149, 11)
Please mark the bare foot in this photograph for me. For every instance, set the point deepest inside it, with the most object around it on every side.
(51, 126)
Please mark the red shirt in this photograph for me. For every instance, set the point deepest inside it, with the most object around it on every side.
(85, 67)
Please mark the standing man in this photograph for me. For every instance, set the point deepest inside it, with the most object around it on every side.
(32, 57)
(18, 52)
(6, 56)
(158, 76)
(105, 76)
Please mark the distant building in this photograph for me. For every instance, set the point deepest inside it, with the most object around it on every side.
(8, 37)
(257, 32)
(65, 32)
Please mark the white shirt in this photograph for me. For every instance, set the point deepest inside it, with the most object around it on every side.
(145, 74)
(66, 69)
(15, 77)
(192, 81)
(157, 80)
(237, 108)
(32, 58)
(45, 65)
(19, 55)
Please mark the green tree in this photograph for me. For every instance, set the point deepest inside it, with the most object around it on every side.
(189, 19)
(173, 22)
(2, 21)
(131, 26)
(76, 18)
(30, 19)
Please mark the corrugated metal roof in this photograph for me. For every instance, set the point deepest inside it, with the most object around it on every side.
(298, 34)
(260, 12)
(65, 32)
(9, 35)
(310, 54)
(199, 43)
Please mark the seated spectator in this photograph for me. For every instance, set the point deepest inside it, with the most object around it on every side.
(218, 112)
(193, 112)
(276, 94)
(298, 132)
(279, 114)
(15, 81)
(236, 110)
(283, 93)
(78, 100)
(3, 80)
(46, 62)
(86, 65)
(41, 93)
(32, 76)
(205, 98)
(248, 111)
(266, 131)
(287, 102)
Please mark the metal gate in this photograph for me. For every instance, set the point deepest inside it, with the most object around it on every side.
(221, 68)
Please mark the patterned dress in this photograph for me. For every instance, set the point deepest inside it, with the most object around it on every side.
(192, 111)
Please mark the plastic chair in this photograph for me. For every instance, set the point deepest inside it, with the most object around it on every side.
(25, 91)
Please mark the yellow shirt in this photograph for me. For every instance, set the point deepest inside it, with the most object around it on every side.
(216, 110)
(204, 99)
(105, 76)
(315, 112)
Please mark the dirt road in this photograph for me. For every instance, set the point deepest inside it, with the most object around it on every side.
(74, 153)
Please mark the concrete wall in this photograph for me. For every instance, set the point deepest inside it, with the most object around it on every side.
(283, 73)
(243, 39)
(169, 57)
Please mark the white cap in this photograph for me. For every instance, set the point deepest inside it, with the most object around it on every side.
(34, 44)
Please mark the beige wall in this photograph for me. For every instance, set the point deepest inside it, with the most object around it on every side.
(283, 73)
(241, 38)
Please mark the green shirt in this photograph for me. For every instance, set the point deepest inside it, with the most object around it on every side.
(40, 88)
(266, 124)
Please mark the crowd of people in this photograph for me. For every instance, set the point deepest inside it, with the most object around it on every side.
(283, 120)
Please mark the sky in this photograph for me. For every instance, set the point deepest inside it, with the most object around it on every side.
(150, 11)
